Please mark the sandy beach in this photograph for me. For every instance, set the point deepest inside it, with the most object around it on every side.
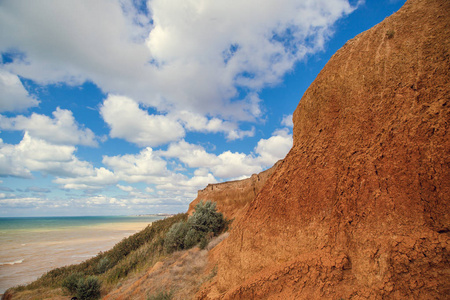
(28, 253)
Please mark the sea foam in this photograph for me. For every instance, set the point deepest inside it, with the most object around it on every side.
(12, 262)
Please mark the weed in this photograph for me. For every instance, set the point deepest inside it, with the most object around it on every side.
(88, 288)
(162, 295)
(71, 282)
(390, 34)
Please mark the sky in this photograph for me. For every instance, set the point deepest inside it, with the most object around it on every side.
(122, 107)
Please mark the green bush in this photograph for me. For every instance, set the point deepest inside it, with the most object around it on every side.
(203, 243)
(103, 265)
(204, 223)
(88, 288)
(207, 219)
(192, 238)
(175, 237)
(71, 282)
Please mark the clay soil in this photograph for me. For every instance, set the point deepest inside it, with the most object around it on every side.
(360, 207)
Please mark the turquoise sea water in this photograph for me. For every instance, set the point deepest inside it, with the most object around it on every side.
(29, 247)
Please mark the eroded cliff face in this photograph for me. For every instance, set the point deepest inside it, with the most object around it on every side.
(360, 207)
(231, 197)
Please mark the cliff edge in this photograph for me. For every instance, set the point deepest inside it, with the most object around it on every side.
(360, 207)
(232, 196)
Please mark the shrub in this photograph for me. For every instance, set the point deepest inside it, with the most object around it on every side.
(71, 282)
(207, 219)
(203, 243)
(103, 265)
(175, 237)
(192, 238)
(88, 288)
(390, 34)
(204, 223)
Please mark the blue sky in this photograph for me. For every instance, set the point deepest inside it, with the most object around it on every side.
(130, 107)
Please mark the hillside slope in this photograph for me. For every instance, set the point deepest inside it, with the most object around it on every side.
(360, 207)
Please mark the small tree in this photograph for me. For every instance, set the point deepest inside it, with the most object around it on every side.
(71, 282)
(174, 239)
(204, 223)
(206, 218)
(88, 288)
(192, 238)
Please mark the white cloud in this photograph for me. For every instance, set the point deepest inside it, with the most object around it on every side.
(65, 41)
(274, 148)
(34, 154)
(229, 164)
(9, 165)
(194, 156)
(191, 56)
(287, 121)
(13, 95)
(125, 188)
(61, 129)
(96, 178)
(240, 134)
(135, 125)
(197, 122)
(23, 202)
(142, 167)
(235, 164)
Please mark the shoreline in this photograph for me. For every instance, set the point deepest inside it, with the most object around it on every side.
(44, 249)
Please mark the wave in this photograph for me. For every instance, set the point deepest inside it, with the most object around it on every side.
(12, 262)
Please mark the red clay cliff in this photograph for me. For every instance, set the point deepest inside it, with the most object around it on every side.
(232, 196)
(360, 207)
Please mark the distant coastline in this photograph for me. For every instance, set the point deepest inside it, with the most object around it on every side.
(154, 215)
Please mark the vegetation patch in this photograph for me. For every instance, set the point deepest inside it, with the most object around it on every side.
(88, 288)
(137, 251)
(97, 276)
(204, 224)
(390, 34)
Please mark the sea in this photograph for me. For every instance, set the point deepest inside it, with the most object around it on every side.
(32, 246)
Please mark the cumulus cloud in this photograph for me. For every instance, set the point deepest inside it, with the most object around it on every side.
(274, 148)
(137, 168)
(64, 41)
(34, 154)
(13, 95)
(9, 162)
(287, 121)
(24, 202)
(196, 56)
(95, 178)
(194, 156)
(199, 123)
(126, 188)
(232, 164)
(128, 121)
(229, 44)
(61, 129)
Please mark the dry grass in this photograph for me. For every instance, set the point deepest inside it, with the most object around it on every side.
(182, 274)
